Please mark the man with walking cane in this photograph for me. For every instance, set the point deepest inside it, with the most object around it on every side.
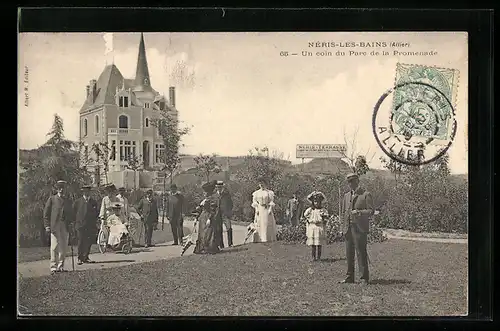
(357, 209)
(57, 219)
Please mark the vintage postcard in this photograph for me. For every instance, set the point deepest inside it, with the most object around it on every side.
(243, 174)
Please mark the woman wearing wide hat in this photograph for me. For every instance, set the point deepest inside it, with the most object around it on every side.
(209, 222)
(316, 217)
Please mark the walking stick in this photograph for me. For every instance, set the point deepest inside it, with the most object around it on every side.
(72, 254)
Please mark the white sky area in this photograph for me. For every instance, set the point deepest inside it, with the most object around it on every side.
(244, 93)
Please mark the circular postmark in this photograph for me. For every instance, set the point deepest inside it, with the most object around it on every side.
(420, 125)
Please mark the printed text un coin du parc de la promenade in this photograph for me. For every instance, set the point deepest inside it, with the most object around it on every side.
(358, 48)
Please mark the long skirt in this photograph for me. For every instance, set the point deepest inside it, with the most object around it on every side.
(208, 238)
(266, 225)
(136, 229)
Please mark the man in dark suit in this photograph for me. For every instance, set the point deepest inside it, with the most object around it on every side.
(294, 210)
(226, 211)
(148, 210)
(174, 208)
(356, 211)
(86, 223)
(57, 219)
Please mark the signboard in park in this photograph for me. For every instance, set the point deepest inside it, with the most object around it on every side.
(312, 151)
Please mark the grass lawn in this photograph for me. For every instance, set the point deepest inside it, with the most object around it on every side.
(27, 254)
(264, 279)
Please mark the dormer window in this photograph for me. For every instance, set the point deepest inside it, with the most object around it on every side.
(146, 82)
(123, 101)
(147, 105)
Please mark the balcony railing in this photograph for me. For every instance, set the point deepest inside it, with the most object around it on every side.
(115, 131)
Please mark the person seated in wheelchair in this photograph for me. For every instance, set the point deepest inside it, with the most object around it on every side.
(118, 229)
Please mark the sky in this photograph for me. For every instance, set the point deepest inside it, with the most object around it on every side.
(236, 91)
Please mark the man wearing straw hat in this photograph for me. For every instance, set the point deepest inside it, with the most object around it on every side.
(357, 209)
(86, 221)
(57, 219)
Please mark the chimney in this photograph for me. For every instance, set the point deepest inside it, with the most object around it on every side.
(88, 91)
(171, 96)
(93, 89)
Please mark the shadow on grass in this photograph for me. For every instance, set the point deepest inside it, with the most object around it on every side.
(115, 261)
(389, 281)
(332, 259)
(137, 250)
(234, 250)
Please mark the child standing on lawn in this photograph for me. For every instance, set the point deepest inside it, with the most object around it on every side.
(316, 217)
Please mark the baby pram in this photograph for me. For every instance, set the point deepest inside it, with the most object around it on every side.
(124, 246)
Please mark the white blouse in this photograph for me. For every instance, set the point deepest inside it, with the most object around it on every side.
(263, 197)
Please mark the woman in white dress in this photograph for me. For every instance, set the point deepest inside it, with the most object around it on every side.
(117, 226)
(263, 203)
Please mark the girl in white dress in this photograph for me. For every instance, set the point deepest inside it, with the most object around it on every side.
(263, 203)
(316, 217)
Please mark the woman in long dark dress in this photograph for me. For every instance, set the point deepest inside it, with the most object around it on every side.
(208, 222)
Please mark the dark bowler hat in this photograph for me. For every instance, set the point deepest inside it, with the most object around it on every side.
(150, 191)
(173, 187)
(121, 189)
(352, 176)
(110, 187)
(209, 186)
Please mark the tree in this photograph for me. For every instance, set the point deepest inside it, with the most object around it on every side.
(168, 128)
(134, 163)
(207, 165)
(101, 161)
(57, 159)
(357, 160)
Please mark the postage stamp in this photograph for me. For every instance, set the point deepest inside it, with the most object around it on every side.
(422, 116)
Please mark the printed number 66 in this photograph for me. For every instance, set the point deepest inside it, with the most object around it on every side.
(283, 53)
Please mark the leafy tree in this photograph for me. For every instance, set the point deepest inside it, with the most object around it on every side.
(168, 128)
(101, 151)
(207, 165)
(57, 159)
(134, 163)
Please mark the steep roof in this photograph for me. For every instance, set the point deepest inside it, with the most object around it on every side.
(108, 81)
(142, 71)
(111, 79)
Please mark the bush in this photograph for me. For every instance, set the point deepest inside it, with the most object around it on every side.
(297, 234)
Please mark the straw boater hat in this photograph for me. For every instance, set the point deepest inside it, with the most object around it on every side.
(220, 183)
(61, 183)
(116, 206)
(86, 187)
(351, 176)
